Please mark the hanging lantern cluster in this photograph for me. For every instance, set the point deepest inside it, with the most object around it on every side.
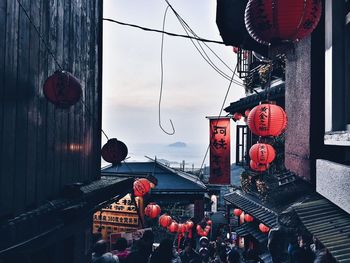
(266, 119)
(62, 89)
(141, 187)
(278, 21)
(204, 232)
(172, 226)
(114, 151)
(152, 210)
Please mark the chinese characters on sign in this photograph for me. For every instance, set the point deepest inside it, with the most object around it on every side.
(117, 217)
(220, 163)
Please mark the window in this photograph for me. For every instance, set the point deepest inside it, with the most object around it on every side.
(337, 79)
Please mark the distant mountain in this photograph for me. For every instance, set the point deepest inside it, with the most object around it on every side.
(178, 144)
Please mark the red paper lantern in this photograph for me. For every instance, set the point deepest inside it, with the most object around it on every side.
(237, 116)
(277, 21)
(246, 113)
(173, 227)
(258, 167)
(207, 228)
(141, 187)
(237, 212)
(263, 228)
(62, 89)
(209, 222)
(262, 153)
(181, 229)
(165, 220)
(114, 151)
(189, 225)
(152, 210)
(267, 120)
(248, 218)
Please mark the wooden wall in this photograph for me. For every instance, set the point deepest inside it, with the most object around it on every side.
(43, 148)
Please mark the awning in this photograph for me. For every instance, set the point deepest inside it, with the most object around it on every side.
(252, 206)
(230, 22)
(329, 224)
(249, 102)
(251, 229)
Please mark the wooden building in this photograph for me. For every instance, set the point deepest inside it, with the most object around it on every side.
(50, 157)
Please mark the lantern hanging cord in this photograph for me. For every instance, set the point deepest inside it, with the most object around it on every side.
(40, 36)
(163, 32)
(161, 82)
(53, 56)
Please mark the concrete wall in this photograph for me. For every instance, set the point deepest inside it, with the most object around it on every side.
(332, 181)
(298, 108)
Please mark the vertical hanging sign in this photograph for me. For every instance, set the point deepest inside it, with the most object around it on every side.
(220, 150)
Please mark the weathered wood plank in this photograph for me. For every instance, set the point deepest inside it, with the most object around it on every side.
(3, 18)
(23, 96)
(9, 107)
(34, 117)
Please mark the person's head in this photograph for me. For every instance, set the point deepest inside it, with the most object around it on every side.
(100, 247)
(121, 244)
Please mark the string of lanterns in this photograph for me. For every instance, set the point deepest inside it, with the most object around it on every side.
(248, 218)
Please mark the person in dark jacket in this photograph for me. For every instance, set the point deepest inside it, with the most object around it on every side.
(303, 254)
(163, 253)
(142, 249)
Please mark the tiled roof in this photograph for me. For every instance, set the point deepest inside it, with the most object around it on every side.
(251, 229)
(251, 101)
(252, 206)
(169, 180)
(329, 224)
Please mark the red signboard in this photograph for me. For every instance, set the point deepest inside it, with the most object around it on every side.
(220, 150)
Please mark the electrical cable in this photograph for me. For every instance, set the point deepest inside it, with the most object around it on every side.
(161, 82)
(162, 31)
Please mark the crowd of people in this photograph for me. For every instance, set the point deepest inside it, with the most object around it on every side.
(142, 251)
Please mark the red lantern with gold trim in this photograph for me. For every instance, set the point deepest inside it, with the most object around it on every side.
(262, 153)
(237, 116)
(278, 21)
(165, 220)
(237, 212)
(114, 151)
(152, 210)
(248, 218)
(141, 187)
(263, 228)
(173, 227)
(258, 167)
(62, 89)
(267, 120)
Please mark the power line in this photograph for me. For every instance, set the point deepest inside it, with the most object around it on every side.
(163, 32)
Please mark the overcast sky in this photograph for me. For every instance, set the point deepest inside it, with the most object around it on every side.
(131, 78)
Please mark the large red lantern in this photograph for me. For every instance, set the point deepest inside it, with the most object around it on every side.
(141, 187)
(262, 153)
(263, 228)
(267, 120)
(152, 210)
(237, 212)
(277, 21)
(62, 89)
(237, 116)
(248, 218)
(114, 151)
(165, 220)
(173, 227)
(258, 167)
